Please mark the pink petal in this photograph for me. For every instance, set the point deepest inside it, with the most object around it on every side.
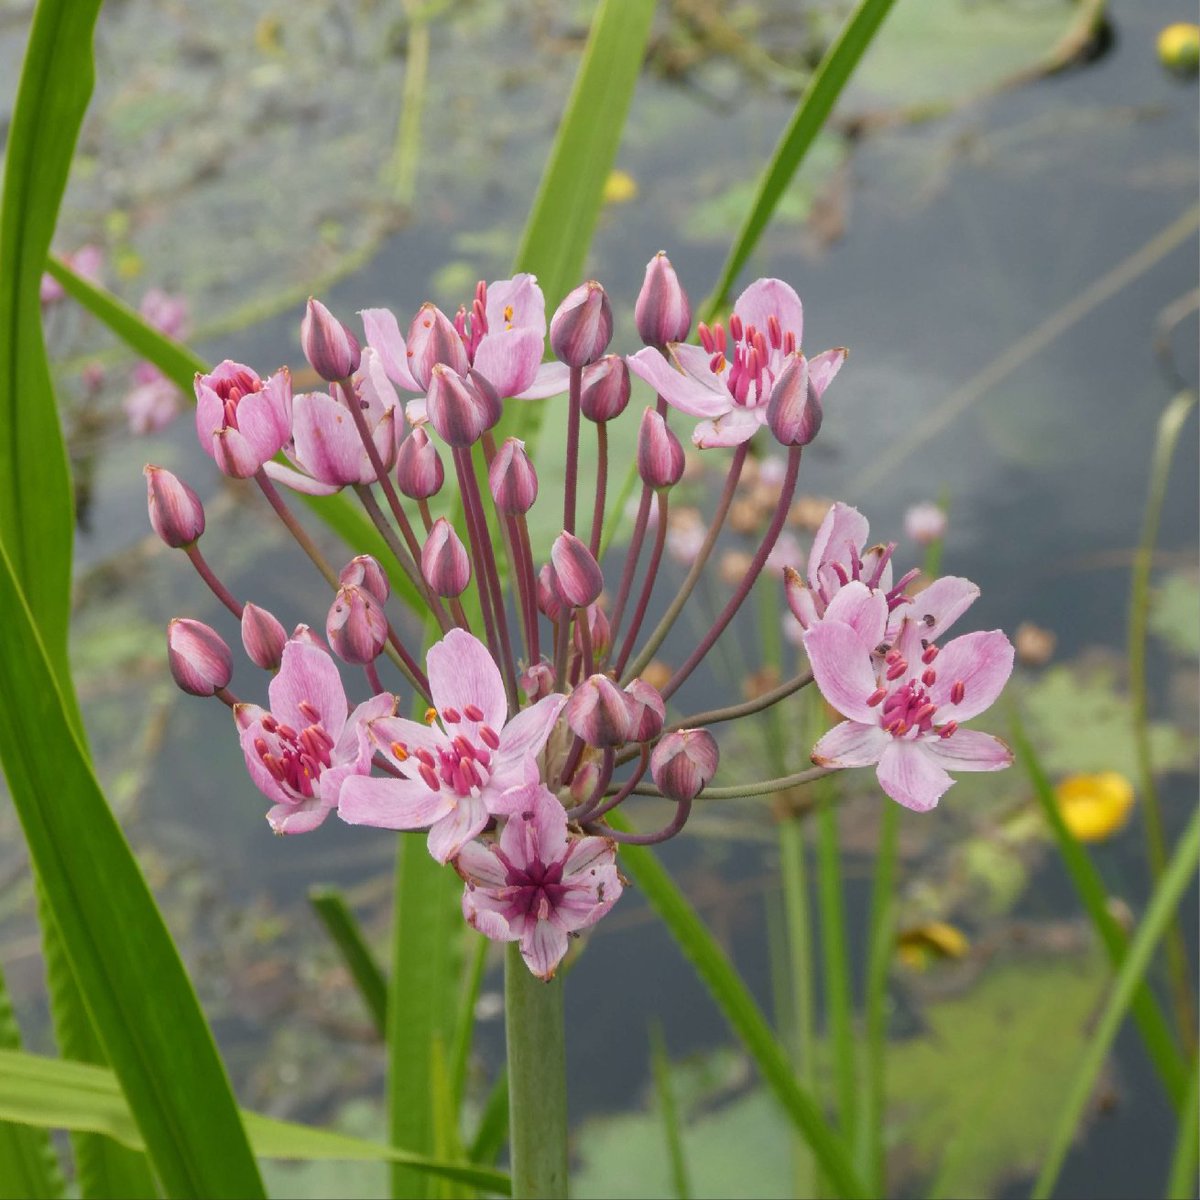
(450, 834)
(307, 673)
(526, 734)
(417, 411)
(298, 818)
(374, 387)
(735, 427)
(480, 865)
(968, 750)
(298, 482)
(259, 775)
(823, 367)
(851, 744)
(983, 661)
(210, 414)
(384, 337)
(462, 673)
(516, 303)
(864, 610)
(354, 741)
(263, 422)
(392, 803)
(543, 947)
(537, 829)
(234, 455)
(765, 298)
(551, 379)
(327, 442)
(841, 663)
(911, 776)
(479, 915)
(509, 360)
(941, 604)
(843, 526)
(709, 399)
(413, 736)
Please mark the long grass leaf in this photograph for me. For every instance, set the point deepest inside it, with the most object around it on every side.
(51, 1093)
(811, 112)
(1147, 1013)
(492, 1131)
(330, 905)
(1176, 879)
(660, 1064)
(123, 959)
(743, 1014)
(464, 1022)
(1181, 1179)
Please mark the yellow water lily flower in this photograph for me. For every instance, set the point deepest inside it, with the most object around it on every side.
(619, 187)
(919, 945)
(1179, 47)
(1095, 806)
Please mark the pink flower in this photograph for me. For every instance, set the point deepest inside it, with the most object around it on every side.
(301, 753)
(455, 769)
(87, 262)
(904, 706)
(537, 885)
(502, 336)
(325, 444)
(151, 406)
(243, 420)
(838, 557)
(728, 378)
(925, 523)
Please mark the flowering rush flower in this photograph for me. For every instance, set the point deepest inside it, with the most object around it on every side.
(455, 771)
(537, 884)
(903, 707)
(301, 753)
(242, 420)
(729, 377)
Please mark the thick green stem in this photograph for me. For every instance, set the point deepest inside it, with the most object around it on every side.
(537, 1081)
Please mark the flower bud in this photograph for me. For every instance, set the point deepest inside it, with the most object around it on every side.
(456, 408)
(576, 571)
(800, 598)
(605, 390)
(175, 510)
(307, 635)
(331, 349)
(599, 631)
(583, 783)
(649, 711)
(512, 478)
(537, 680)
(683, 763)
(263, 637)
(432, 339)
(794, 410)
(659, 454)
(444, 561)
(357, 626)
(662, 312)
(549, 599)
(582, 327)
(200, 661)
(599, 712)
(365, 571)
(419, 470)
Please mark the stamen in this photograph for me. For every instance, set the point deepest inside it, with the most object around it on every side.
(399, 751)
(897, 669)
(431, 780)
(489, 737)
(957, 691)
(931, 652)
(430, 715)
(473, 713)
(948, 729)
(876, 697)
(789, 342)
(423, 756)
(929, 677)
(774, 332)
(451, 716)
(706, 338)
(735, 327)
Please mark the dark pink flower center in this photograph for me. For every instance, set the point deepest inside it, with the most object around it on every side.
(750, 355)
(295, 758)
(537, 887)
(909, 707)
(463, 764)
(232, 389)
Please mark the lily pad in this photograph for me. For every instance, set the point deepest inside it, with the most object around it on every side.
(1175, 613)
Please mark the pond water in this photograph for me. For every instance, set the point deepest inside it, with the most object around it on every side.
(238, 171)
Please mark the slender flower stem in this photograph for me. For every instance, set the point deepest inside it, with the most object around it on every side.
(728, 612)
(537, 1081)
(597, 810)
(714, 716)
(683, 810)
(227, 698)
(586, 810)
(426, 515)
(526, 584)
(572, 477)
(409, 667)
(601, 487)
(217, 588)
(631, 558)
(562, 646)
(714, 530)
(639, 613)
(373, 679)
(381, 472)
(295, 528)
(763, 787)
(367, 499)
(572, 760)
(587, 658)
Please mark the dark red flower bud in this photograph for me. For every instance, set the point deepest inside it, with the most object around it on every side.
(683, 763)
(331, 349)
(364, 571)
(581, 328)
(200, 661)
(599, 712)
(794, 410)
(662, 312)
(512, 479)
(605, 389)
(650, 711)
(357, 626)
(263, 637)
(419, 470)
(659, 454)
(175, 510)
(444, 561)
(576, 571)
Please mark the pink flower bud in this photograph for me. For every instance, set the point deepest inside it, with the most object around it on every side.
(357, 626)
(175, 510)
(578, 575)
(683, 763)
(649, 711)
(444, 561)
(307, 635)
(599, 712)
(794, 410)
(582, 327)
(662, 312)
(537, 680)
(263, 637)
(365, 571)
(799, 597)
(599, 631)
(605, 389)
(432, 339)
(512, 478)
(583, 783)
(456, 407)
(201, 663)
(659, 454)
(549, 599)
(331, 349)
(419, 470)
